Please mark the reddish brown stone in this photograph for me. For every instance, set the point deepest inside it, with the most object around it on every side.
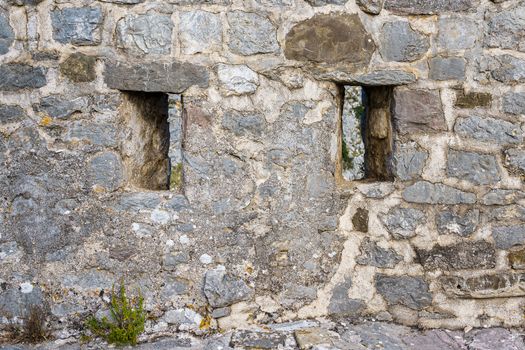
(330, 39)
(418, 111)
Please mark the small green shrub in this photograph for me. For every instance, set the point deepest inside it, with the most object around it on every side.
(127, 319)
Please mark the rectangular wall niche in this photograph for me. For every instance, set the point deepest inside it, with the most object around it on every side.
(152, 146)
(366, 144)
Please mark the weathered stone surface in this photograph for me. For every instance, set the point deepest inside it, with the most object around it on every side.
(399, 42)
(376, 190)
(16, 301)
(25, 2)
(173, 287)
(221, 312)
(465, 255)
(184, 316)
(377, 78)
(489, 130)
(502, 197)
(481, 169)
(360, 220)
(237, 79)
(106, 170)
(257, 340)
(372, 7)
(418, 111)
(517, 258)
(409, 291)
(341, 305)
(222, 289)
(315, 338)
(155, 77)
(7, 36)
(124, 2)
(57, 106)
(496, 338)
(373, 255)
(508, 236)
(408, 162)
(101, 134)
(244, 124)
(316, 3)
(77, 25)
(145, 34)
(426, 192)
(451, 222)
(507, 213)
(485, 286)
(457, 33)
(506, 69)
(330, 39)
(79, 68)
(138, 201)
(417, 7)
(447, 68)
(200, 31)
(472, 99)
(17, 76)
(506, 29)
(402, 222)
(251, 34)
(11, 113)
(515, 158)
(514, 102)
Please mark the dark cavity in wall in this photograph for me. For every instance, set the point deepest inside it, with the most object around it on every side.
(366, 144)
(146, 144)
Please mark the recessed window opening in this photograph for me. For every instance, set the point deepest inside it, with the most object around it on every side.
(152, 145)
(366, 133)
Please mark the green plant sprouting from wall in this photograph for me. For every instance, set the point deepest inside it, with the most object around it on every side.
(126, 322)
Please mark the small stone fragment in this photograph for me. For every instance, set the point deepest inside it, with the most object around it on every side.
(514, 157)
(222, 289)
(79, 68)
(402, 222)
(472, 99)
(409, 291)
(517, 258)
(502, 197)
(373, 255)
(372, 7)
(343, 306)
(237, 79)
(360, 220)
(399, 42)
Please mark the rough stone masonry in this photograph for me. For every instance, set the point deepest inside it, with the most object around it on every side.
(259, 226)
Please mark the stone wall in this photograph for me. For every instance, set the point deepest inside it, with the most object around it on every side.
(260, 225)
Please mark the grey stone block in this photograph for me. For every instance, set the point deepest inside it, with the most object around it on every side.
(11, 113)
(429, 193)
(222, 289)
(7, 36)
(489, 130)
(514, 157)
(447, 68)
(418, 7)
(200, 31)
(508, 236)
(343, 306)
(402, 222)
(62, 107)
(457, 33)
(372, 7)
(373, 255)
(461, 256)
(451, 222)
(506, 29)
(251, 34)
(106, 170)
(145, 34)
(480, 169)
(173, 77)
(399, 42)
(418, 111)
(408, 162)
(408, 291)
(77, 25)
(18, 76)
(502, 197)
(514, 103)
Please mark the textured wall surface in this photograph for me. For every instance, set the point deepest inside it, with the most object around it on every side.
(260, 225)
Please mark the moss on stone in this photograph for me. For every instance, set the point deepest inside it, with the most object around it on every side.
(176, 177)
